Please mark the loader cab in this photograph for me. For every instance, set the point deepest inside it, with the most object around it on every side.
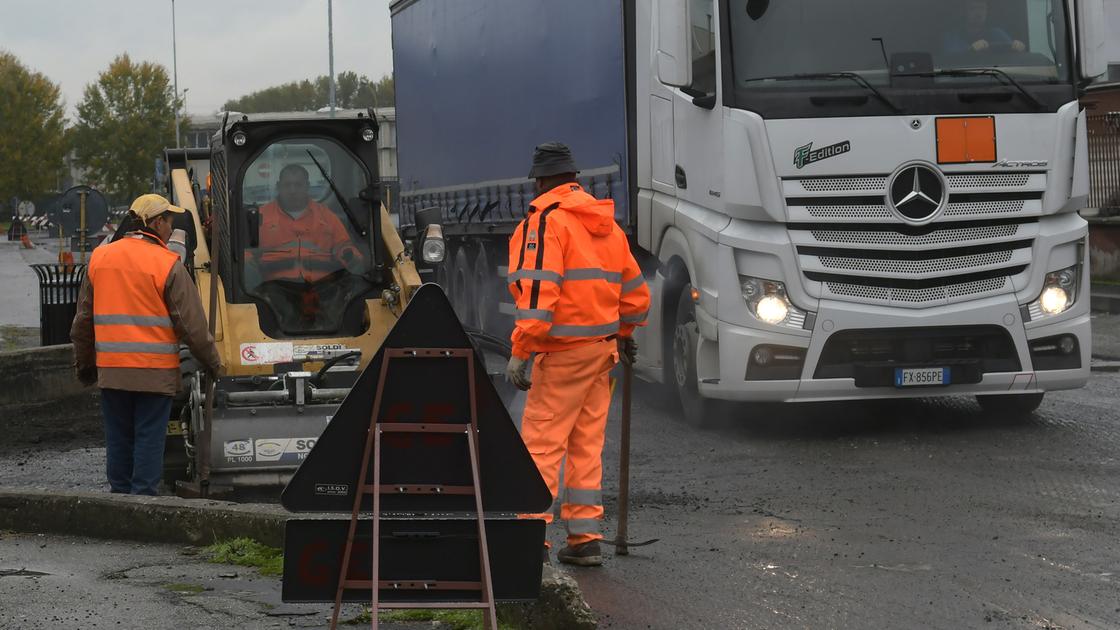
(294, 200)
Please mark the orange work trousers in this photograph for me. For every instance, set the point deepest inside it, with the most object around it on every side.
(566, 416)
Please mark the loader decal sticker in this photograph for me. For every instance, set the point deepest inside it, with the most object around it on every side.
(238, 451)
(266, 353)
(332, 489)
(283, 449)
(805, 155)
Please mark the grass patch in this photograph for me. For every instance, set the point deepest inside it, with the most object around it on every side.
(451, 619)
(246, 552)
(186, 589)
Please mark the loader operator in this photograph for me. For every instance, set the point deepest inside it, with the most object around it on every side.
(135, 305)
(301, 240)
(579, 294)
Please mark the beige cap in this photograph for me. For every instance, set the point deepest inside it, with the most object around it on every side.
(152, 205)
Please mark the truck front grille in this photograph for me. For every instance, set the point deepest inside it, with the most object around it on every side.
(852, 247)
(916, 296)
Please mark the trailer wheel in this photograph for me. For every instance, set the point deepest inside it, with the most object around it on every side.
(462, 297)
(695, 409)
(1010, 405)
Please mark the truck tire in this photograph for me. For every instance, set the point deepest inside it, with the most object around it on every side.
(462, 291)
(1010, 405)
(695, 409)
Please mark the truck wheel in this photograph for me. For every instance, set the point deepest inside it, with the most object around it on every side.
(462, 297)
(1010, 405)
(696, 410)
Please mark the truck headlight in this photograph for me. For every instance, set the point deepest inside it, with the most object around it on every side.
(767, 301)
(433, 249)
(1059, 292)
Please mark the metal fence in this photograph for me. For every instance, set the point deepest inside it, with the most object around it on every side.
(1104, 162)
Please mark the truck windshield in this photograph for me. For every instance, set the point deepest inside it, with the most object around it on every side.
(775, 43)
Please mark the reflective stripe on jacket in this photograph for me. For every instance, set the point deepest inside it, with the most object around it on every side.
(571, 274)
(132, 326)
(309, 248)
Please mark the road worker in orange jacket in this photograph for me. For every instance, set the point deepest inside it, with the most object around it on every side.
(301, 240)
(136, 303)
(579, 294)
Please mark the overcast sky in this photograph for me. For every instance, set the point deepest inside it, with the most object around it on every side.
(226, 48)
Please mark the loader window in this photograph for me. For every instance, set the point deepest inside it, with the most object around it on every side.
(303, 257)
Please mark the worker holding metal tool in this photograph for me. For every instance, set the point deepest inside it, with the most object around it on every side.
(136, 303)
(579, 294)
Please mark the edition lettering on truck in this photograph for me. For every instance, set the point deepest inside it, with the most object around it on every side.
(805, 155)
(782, 265)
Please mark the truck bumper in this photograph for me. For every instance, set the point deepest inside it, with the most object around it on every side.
(1000, 316)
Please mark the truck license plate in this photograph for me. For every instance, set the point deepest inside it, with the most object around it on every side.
(917, 377)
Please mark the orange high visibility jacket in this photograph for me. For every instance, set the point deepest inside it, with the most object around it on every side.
(308, 248)
(132, 326)
(572, 275)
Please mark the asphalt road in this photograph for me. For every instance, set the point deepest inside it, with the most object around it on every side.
(914, 514)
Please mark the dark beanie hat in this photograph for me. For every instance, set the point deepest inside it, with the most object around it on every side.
(552, 158)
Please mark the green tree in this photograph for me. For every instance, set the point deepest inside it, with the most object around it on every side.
(125, 120)
(32, 131)
(352, 91)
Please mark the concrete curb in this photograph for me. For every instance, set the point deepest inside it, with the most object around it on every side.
(202, 522)
(145, 519)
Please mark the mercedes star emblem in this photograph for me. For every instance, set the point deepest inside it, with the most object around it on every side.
(917, 192)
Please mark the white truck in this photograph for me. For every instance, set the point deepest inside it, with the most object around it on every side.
(831, 200)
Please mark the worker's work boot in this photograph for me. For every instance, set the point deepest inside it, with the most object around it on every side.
(584, 555)
(545, 557)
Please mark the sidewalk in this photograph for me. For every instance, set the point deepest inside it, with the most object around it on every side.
(19, 302)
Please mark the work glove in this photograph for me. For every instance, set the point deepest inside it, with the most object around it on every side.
(627, 350)
(516, 373)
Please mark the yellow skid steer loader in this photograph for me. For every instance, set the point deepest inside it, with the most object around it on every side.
(302, 273)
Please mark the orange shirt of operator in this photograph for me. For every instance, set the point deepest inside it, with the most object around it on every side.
(300, 238)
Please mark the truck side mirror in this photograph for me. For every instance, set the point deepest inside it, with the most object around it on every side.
(674, 61)
(1091, 38)
(253, 224)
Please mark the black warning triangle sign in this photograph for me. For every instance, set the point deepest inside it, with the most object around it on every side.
(421, 390)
